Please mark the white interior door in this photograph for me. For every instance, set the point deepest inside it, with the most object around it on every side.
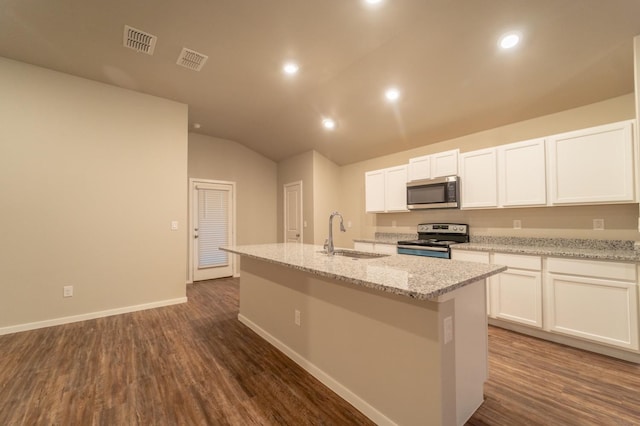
(293, 212)
(212, 212)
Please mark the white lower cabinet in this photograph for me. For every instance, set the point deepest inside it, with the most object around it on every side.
(593, 300)
(480, 257)
(516, 294)
(375, 247)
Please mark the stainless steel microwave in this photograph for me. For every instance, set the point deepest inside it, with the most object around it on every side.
(437, 193)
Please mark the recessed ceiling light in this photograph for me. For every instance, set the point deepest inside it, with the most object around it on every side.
(373, 1)
(290, 68)
(509, 40)
(328, 124)
(392, 94)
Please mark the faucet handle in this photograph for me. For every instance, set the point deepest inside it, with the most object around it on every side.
(326, 244)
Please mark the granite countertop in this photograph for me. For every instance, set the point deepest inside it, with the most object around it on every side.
(412, 276)
(619, 250)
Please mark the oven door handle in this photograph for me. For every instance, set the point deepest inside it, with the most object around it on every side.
(425, 248)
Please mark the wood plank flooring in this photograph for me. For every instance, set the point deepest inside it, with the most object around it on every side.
(195, 364)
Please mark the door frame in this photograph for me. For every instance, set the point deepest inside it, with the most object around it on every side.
(191, 234)
(284, 210)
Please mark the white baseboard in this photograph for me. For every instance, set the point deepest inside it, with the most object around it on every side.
(623, 354)
(346, 394)
(92, 315)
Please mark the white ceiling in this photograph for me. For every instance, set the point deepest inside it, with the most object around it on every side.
(442, 54)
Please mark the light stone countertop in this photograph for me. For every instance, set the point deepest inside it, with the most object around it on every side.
(619, 250)
(417, 277)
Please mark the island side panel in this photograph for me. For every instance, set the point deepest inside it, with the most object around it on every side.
(471, 340)
(383, 353)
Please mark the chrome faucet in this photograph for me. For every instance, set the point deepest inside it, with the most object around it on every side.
(328, 244)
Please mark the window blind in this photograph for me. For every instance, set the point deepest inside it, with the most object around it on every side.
(213, 212)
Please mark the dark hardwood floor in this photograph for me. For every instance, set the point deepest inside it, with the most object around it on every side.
(195, 364)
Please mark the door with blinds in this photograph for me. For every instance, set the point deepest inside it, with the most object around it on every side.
(212, 211)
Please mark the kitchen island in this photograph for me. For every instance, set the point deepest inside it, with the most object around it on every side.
(402, 338)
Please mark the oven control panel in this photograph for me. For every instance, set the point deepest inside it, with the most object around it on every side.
(442, 228)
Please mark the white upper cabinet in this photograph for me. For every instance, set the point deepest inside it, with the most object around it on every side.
(420, 168)
(444, 164)
(396, 189)
(374, 191)
(386, 190)
(521, 174)
(479, 185)
(434, 165)
(592, 165)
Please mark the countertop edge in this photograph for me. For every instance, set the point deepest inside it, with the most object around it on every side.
(586, 254)
(372, 285)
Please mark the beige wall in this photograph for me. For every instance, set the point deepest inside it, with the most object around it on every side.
(326, 196)
(320, 189)
(91, 177)
(636, 56)
(621, 221)
(256, 183)
(293, 169)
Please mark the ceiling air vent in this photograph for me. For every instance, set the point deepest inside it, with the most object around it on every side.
(191, 59)
(139, 40)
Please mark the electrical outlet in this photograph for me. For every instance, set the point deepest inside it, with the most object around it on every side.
(448, 329)
(598, 224)
(67, 291)
(517, 224)
(296, 317)
(174, 225)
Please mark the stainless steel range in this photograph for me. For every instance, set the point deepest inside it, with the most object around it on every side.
(435, 239)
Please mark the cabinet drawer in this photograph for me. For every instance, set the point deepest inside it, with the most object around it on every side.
(519, 261)
(591, 268)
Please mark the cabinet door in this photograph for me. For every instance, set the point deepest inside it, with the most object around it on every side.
(374, 191)
(480, 257)
(420, 168)
(516, 295)
(444, 163)
(385, 248)
(595, 309)
(479, 187)
(362, 246)
(592, 165)
(396, 189)
(522, 174)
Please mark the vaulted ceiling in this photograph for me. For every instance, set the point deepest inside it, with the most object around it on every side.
(442, 55)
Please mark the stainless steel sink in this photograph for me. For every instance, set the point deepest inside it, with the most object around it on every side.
(357, 254)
